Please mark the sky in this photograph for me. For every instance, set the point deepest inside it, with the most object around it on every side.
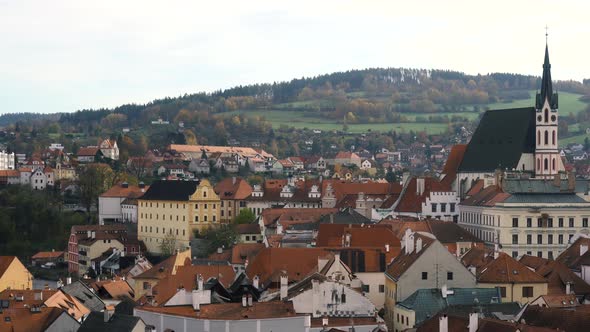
(61, 56)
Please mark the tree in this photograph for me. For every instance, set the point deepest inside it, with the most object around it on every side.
(168, 245)
(225, 236)
(587, 144)
(92, 182)
(246, 216)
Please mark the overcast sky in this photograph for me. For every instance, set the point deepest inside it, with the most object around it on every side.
(61, 56)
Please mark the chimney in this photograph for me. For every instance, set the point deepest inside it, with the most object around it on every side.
(583, 249)
(571, 180)
(409, 241)
(250, 299)
(284, 282)
(568, 288)
(256, 282)
(331, 218)
(473, 320)
(419, 186)
(557, 180)
(405, 178)
(279, 228)
(443, 291)
(196, 300)
(108, 313)
(233, 180)
(325, 321)
(418, 245)
(347, 239)
(68, 280)
(93, 234)
(244, 301)
(443, 323)
(387, 247)
(472, 269)
(496, 251)
(219, 250)
(200, 282)
(89, 234)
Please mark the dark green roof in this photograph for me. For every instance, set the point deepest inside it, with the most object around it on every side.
(426, 303)
(170, 190)
(500, 139)
(545, 199)
(546, 85)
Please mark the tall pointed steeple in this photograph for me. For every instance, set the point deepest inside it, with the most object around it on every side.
(546, 85)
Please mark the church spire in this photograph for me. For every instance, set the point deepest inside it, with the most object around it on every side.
(546, 85)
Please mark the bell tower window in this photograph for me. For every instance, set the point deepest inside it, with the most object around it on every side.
(546, 115)
(546, 137)
(553, 137)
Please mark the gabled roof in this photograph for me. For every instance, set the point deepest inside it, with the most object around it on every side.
(171, 190)
(47, 255)
(229, 311)
(444, 231)
(500, 139)
(404, 260)
(23, 320)
(411, 200)
(5, 262)
(487, 197)
(125, 190)
(505, 270)
(558, 275)
(477, 257)
(242, 252)
(295, 262)
(573, 320)
(453, 161)
(534, 262)
(186, 276)
(571, 256)
(460, 324)
(345, 216)
(85, 295)
(88, 152)
(233, 188)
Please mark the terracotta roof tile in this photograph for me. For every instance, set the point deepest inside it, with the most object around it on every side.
(5, 262)
(487, 197)
(119, 190)
(453, 161)
(404, 260)
(252, 228)
(23, 320)
(230, 311)
(302, 215)
(48, 255)
(571, 320)
(558, 275)
(233, 188)
(242, 252)
(86, 152)
(411, 200)
(26, 297)
(533, 262)
(506, 269)
(295, 262)
(333, 235)
(571, 256)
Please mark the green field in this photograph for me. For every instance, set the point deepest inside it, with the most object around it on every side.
(573, 139)
(300, 114)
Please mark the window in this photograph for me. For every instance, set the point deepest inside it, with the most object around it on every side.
(449, 275)
(529, 239)
(452, 207)
(433, 207)
(196, 218)
(503, 291)
(146, 285)
(584, 222)
(514, 238)
(366, 288)
(514, 222)
(560, 222)
(205, 206)
(540, 254)
(539, 222)
(527, 292)
(514, 254)
(205, 195)
(529, 222)
(183, 232)
(443, 207)
(570, 237)
(397, 318)
(560, 239)
(222, 214)
(157, 230)
(196, 206)
(204, 218)
(571, 222)
(550, 255)
(424, 275)
(214, 206)
(247, 237)
(550, 222)
(550, 239)
(540, 238)
(381, 288)
(546, 142)
(343, 298)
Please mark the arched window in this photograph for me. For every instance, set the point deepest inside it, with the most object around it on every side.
(546, 164)
(553, 162)
(539, 164)
(546, 115)
(553, 136)
(523, 167)
(538, 137)
(546, 137)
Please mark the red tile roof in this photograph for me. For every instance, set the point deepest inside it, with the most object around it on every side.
(229, 311)
(87, 152)
(295, 262)
(411, 200)
(404, 260)
(558, 275)
(233, 188)
(302, 215)
(5, 262)
(130, 191)
(453, 161)
(186, 277)
(242, 252)
(369, 236)
(48, 255)
(23, 320)
(487, 197)
(506, 269)
(26, 297)
(571, 256)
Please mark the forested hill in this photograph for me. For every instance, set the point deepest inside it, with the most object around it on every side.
(386, 100)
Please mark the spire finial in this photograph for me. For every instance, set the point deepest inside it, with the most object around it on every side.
(546, 34)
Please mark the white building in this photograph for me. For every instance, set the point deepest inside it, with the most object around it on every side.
(7, 160)
(110, 203)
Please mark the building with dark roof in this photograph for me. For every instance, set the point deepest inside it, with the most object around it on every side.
(112, 321)
(170, 212)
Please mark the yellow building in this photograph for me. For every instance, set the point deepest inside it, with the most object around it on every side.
(233, 193)
(170, 212)
(517, 282)
(13, 274)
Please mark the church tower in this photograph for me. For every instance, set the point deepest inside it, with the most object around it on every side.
(547, 158)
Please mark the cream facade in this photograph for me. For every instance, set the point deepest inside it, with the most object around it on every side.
(165, 220)
(541, 229)
(93, 248)
(518, 292)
